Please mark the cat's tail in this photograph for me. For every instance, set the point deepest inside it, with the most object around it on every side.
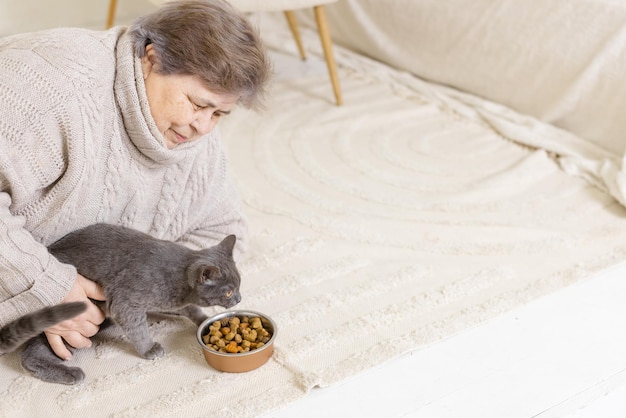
(15, 333)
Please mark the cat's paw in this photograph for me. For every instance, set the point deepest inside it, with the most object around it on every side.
(73, 376)
(61, 374)
(52, 370)
(199, 319)
(155, 352)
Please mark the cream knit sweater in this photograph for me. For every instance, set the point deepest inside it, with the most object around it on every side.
(78, 145)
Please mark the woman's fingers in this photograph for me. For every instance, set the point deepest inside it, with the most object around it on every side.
(86, 328)
(73, 338)
(76, 331)
(92, 289)
(92, 315)
(57, 345)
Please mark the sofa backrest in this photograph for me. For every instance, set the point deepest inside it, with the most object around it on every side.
(561, 61)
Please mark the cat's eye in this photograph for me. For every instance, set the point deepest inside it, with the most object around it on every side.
(229, 293)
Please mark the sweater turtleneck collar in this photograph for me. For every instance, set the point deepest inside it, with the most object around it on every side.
(130, 94)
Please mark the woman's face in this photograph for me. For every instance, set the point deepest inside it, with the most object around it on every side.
(181, 106)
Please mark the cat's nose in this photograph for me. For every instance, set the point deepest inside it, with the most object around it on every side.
(235, 299)
(232, 302)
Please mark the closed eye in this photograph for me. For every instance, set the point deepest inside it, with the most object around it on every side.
(195, 105)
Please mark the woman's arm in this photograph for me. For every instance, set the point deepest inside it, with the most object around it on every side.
(30, 278)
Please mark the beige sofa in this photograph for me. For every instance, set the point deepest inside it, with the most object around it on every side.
(561, 62)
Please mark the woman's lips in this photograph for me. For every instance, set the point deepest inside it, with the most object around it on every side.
(179, 137)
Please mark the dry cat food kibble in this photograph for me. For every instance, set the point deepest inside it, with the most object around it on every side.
(236, 335)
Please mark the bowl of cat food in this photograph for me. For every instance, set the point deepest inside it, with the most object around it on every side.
(237, 341)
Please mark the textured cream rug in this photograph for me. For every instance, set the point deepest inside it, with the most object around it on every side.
(404, 216)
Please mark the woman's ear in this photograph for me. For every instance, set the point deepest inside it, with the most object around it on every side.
(148, 61)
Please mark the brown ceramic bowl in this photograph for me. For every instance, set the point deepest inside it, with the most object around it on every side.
(238, 362)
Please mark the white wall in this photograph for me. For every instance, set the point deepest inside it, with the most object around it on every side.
(29, 15)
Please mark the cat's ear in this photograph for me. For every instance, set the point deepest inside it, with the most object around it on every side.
(228, 243)
(209, 275)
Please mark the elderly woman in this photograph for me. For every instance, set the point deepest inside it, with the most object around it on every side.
(117, 126)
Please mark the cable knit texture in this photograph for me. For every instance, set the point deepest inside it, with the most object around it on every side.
(78, 146)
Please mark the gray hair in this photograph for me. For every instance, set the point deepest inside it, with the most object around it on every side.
(208, 39)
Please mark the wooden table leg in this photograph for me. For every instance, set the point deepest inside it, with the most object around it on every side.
(111, 16)
(327, 45)
(293, 25)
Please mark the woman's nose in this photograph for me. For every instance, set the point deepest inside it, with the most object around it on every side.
(203, 123)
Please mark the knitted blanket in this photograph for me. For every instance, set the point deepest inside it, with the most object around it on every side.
(400, 218)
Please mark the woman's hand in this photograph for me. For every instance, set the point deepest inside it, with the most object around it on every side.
(76, 331)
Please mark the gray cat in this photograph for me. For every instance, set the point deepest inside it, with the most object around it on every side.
(139, 274)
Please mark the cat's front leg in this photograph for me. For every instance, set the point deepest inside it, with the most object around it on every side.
(194, 313)
(135, 326)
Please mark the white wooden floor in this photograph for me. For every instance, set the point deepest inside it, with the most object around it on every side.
(563, 355)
